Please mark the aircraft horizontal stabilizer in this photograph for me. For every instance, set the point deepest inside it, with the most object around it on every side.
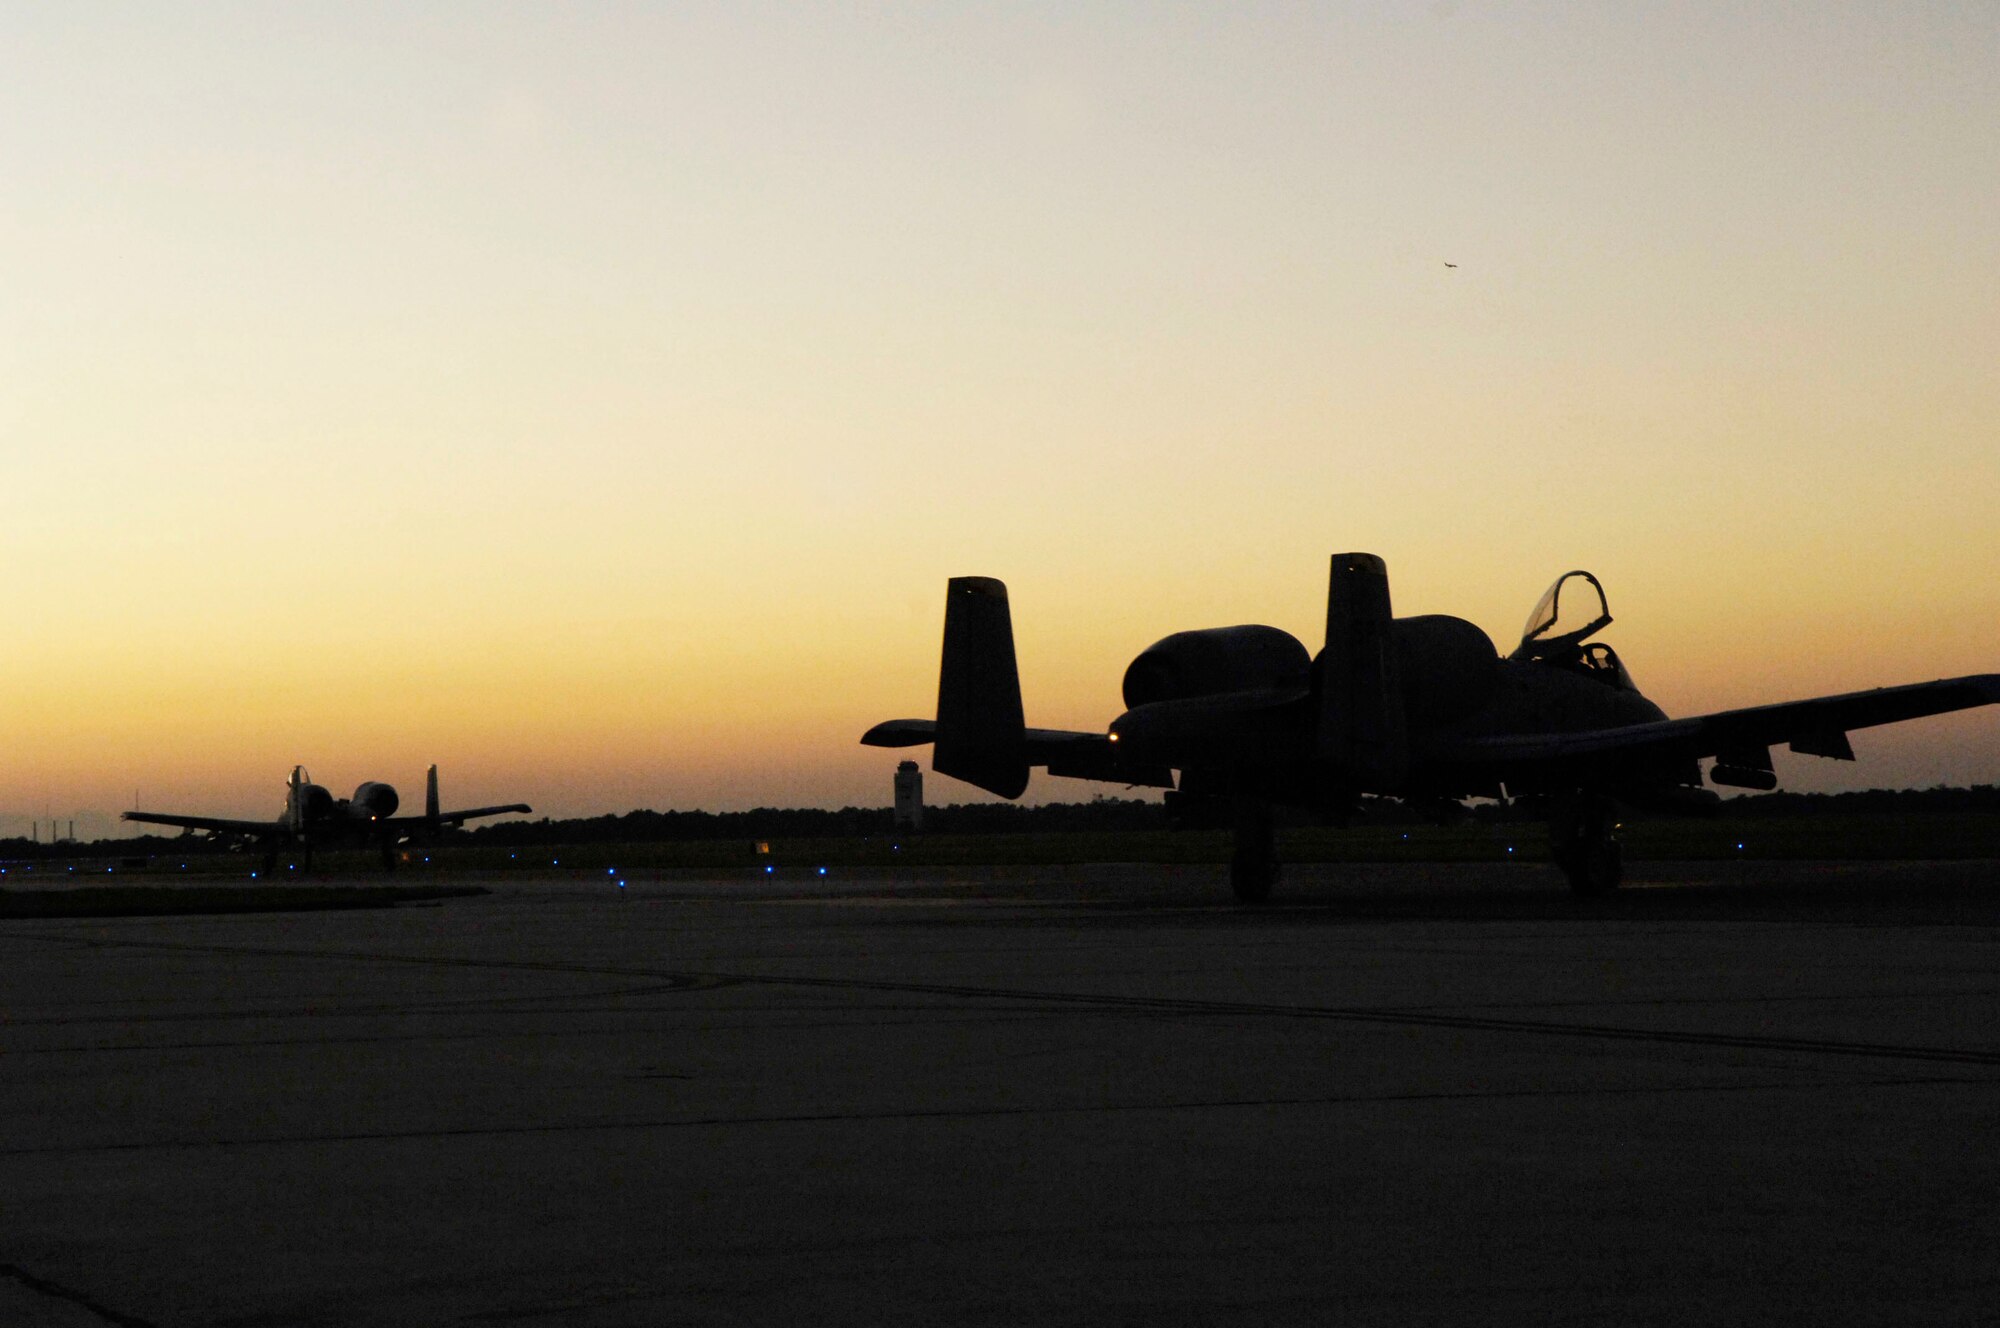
(900, 733)
(1061, 751)
(1093, 756)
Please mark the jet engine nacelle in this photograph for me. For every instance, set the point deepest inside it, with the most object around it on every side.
(1217, 660)
(315, 803)
(375, 799)
(1448, 668)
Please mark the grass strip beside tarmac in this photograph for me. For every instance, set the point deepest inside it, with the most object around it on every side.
(1881, 837)
(1873, 838)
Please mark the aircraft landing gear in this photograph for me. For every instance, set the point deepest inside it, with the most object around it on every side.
(1583, 839)
(1254, 867)
(270, 863)
(388, 855)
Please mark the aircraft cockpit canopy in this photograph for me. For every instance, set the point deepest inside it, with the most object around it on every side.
(1569, 613)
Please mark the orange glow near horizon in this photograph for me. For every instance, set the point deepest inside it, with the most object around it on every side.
(595, 403)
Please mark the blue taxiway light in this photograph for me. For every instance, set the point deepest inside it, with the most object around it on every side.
(822, 871)
(769, 870)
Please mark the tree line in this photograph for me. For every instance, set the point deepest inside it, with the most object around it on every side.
(1002, 818)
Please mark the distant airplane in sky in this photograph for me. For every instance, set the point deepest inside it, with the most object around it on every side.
(1451, 265)
(1422, 709)
(314, 818)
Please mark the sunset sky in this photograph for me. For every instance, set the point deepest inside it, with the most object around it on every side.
(594, 399)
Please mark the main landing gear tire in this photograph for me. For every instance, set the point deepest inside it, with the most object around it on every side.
(1251, 876)
(1253, 867)
(1594, 869)
(1584, 842)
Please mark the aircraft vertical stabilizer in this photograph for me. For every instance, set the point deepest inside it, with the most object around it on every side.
(981, 730)
(1362, 728)
(431, 808)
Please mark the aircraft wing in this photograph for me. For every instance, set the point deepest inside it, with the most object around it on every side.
(1816, 727)
(455, 818)
(216, 824)
(1062, 751)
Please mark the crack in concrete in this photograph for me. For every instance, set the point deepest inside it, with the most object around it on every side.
(57, 1291)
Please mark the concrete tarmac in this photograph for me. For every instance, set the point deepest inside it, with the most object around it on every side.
(1401, 1094)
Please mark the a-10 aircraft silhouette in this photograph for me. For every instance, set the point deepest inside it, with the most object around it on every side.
(1423, 709)
(314, 818)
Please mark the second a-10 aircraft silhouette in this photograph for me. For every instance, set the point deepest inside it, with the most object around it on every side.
(1423, 709)
(314, 818)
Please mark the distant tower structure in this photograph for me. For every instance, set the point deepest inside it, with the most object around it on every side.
(909, 797)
